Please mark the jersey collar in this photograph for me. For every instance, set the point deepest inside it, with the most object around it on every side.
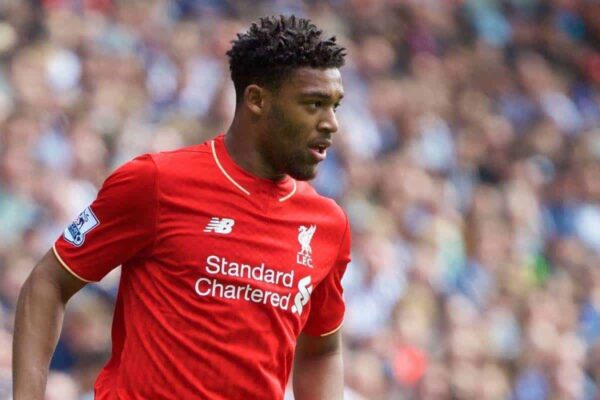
(243, 180)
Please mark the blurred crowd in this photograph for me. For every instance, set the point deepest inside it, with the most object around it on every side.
(468, 161)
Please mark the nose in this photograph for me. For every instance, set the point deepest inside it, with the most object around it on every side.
(328, 123)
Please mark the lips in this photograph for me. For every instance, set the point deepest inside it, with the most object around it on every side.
(318, 149)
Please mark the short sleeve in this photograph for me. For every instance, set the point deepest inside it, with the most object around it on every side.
(327, 303)
(118, 226)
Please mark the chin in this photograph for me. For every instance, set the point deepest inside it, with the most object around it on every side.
(303, 174)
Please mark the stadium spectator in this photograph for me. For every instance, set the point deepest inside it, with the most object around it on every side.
(468, 161)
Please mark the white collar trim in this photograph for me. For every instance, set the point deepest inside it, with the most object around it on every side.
(237, 185)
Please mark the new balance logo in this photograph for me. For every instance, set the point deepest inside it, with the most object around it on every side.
(220, 225)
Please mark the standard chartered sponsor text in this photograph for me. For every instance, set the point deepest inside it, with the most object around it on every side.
(220, 267)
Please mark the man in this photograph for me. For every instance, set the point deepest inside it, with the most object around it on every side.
(230, 261)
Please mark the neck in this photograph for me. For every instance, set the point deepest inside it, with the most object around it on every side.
(241, 142)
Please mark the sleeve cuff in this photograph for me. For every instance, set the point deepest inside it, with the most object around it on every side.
(331, 332)
(65, 266)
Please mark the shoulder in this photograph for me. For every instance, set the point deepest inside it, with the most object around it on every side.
(170, 164)
(181, 156)
(307, 195)
(184, 162)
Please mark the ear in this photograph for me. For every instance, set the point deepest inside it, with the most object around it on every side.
(254, 98)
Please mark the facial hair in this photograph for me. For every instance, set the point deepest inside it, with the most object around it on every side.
(282, 147)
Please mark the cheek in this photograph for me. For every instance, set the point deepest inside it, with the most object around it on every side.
(290, 128)
(298, 120)
(288, 136)
(299, 131)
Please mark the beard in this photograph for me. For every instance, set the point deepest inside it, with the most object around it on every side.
(300, 169)
(283, 148)
(290, 159)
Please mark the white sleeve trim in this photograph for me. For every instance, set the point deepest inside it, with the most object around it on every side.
(65, 266)
(333, 331)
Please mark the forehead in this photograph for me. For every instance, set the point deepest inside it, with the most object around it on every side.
(315, 80)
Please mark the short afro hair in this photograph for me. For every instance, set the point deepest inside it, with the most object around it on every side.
(274, 46)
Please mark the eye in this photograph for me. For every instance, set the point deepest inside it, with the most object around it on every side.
(314, 105)
(335, 107)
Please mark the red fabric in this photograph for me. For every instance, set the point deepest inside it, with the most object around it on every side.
(591, 65)
(97, 5)
(176, 333)
(410, 363)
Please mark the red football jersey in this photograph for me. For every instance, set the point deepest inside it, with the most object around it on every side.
(221, 271)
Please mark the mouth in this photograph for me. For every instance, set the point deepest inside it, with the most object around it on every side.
(319, 149)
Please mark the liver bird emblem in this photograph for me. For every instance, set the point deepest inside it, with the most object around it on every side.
(304, 237)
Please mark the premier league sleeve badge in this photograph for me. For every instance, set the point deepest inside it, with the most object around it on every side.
(85, 222)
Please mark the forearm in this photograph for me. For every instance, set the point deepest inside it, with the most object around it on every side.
(38, 321)
(319, 377)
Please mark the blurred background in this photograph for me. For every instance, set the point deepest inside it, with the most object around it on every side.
(468, 160)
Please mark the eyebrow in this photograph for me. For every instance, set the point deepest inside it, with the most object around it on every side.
(321, 95)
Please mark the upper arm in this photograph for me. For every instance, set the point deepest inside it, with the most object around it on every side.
(327, 302)
(118, 226)
(318, 367)
(50, 270)
(310, 346)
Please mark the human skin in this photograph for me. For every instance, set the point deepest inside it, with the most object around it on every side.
(271, 135)
(38, 322)
(274, 128)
